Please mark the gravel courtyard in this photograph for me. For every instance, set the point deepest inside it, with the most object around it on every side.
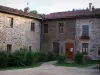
(49, 69)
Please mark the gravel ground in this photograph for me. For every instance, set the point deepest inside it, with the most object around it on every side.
(49, 69)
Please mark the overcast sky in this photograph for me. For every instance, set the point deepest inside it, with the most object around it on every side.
(49, 6)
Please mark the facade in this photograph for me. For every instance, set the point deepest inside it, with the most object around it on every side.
(72, 31)
(19, 29)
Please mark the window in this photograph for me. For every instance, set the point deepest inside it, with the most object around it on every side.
(9, 47)
(32, 26)
(45, 28)
(85, 30)
(30, 48)
(85, 48)
(61, 27)
(98, 50)
(10, 22)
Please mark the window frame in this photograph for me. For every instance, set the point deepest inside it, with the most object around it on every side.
(98, 50)
(83, 30)
(11, 22)
(9, 47)
(45, 30)
(61, 28)
(32, 26)
(86, 47)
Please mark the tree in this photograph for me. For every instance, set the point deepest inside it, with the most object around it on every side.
(35, 12)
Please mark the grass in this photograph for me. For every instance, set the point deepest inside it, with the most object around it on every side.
(89, 63)
(22, 67)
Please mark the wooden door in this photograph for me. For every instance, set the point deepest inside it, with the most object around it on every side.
(56, 47)
(70, 50)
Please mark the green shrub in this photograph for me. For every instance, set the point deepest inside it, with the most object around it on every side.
(50, 56)
(16, 58)
(42, 57)
(61, 59)
(78, 58)
(3, 59)
(29, 58)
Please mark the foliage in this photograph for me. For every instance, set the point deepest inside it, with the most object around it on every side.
(51, 56)
(61, 59)
(35, 12)
(78, 58)
(42, 57)
(3, 59)
(29, 58)
(17, 58)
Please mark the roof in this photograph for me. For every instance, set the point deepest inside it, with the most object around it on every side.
(72, 14)
(18, 12)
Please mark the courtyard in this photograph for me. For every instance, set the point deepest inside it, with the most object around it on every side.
(49, 69)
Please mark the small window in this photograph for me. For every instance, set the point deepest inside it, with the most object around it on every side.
(10, 22)
(98, 50)
(45, 28)
(32, 26)
(30, 48)
(61, 27)
(85, 48)
(9, 47)
(85, 30)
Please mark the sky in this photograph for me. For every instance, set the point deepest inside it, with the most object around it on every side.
(50, 6)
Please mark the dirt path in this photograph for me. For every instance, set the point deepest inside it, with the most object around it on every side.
(49, 69)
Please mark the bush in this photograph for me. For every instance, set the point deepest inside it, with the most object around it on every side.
(42, 57)
(51, 56)
(29, 58)
(17, 58)
(78, 58)
(61, 59)
(3, 59)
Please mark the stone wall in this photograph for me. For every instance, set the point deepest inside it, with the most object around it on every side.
(94, 34)
(20, 35)
(53, 34)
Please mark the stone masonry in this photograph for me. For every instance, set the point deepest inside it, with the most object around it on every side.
(20, 35)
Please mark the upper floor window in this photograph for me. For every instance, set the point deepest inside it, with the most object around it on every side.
(85, 30)
(45, 28)
(32, 26)
(85, 48)
(10, 21)
(61, 25)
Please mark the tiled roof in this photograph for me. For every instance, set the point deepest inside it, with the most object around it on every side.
(72, 14)
(18, 12)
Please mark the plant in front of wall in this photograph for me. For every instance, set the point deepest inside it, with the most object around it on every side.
(79, 58)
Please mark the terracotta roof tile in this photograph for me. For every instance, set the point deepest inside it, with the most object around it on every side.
(71, 14)
(18, 12)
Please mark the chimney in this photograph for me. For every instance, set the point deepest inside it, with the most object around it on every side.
(90, 6)
(26, 10)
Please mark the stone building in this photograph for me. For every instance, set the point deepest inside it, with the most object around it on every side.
(19, 29)
(72, 31)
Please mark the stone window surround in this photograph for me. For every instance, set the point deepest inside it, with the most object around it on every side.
(86, 41)
(82, 30)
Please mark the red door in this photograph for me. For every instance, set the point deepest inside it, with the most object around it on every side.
(70, 50)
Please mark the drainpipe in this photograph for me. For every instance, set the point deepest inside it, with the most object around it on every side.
(41, 35)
